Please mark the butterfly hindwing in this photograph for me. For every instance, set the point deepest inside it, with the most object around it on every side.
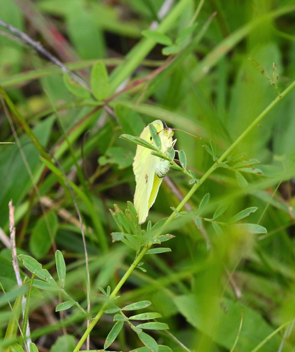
(145, 167)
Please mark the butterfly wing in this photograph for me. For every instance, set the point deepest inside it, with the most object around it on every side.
(146, 167)
(147, 182)
(147, 186)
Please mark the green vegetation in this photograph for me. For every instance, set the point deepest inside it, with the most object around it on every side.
(212, 269)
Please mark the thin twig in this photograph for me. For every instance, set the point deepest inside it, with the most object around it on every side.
(16, 269)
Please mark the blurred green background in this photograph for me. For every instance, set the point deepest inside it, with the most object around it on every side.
(221, 288)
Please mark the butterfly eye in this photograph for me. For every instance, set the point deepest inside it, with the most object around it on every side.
(151, 138)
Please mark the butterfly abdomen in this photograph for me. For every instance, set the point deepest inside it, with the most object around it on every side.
(162, 168)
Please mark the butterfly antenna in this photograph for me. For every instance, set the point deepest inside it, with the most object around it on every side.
(176, 129)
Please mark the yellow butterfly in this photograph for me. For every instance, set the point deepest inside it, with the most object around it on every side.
(149, 169)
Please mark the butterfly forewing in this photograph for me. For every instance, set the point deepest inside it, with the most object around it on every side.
(146, 166)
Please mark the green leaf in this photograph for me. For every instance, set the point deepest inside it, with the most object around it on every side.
(243, 214)
(236, 157)
(217, 228)
(254, 327)
(141, 268)
(130, 207)
(251, 170)
(119, 317)
(61, 267)
(149, 226)
(164, 349)
(100, 81)
(158, 250)
(220, 210)
(182, 159)
(120, 219)
(130, 120)
(162, 156)
(7, 274)
(251, 228)
(139, 141)
(141, 349)
(112, 309)
(16, 348)
(145, 316)
(199, 222)
(171, 153)
(35, 267)
(64, 343)
(75, 88)
(172, 49)
(43, 234)
(117, 236)
(85, 35)
(12, 327)
(242, 182)
(134, 226)
(164, 238)
(12, 294)
(155, 136)
(137, 305)
(246, 163)
(161, 348)
(158, 37)
(12, 164)
(33, 347)
(51, 167)
(148, 341)
(102, 290)
(113, 334)
(117, 155)
(153, 326)
(209, 150)
(192, 174)
(47, 286)
(223, 164)
(204, 202)
(64, 306)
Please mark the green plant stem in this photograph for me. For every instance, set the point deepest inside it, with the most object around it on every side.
(179, 207)
(112, 296)
(71, 299)
(271, 335)
(212, 220)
